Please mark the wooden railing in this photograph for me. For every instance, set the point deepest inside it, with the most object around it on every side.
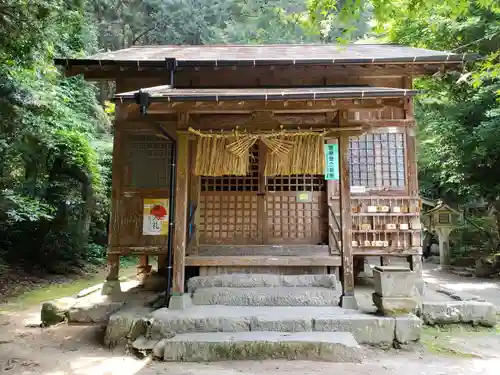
(335, 230)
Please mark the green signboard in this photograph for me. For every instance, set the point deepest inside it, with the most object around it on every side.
(332, 161)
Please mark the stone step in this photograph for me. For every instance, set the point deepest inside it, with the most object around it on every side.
(267, 296)
(262, 280)
(226, 346)
(366, 328)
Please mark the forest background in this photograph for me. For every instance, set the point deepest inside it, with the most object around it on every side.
(56, 132)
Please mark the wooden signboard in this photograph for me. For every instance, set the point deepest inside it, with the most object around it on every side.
(304, 197)
(332, 161)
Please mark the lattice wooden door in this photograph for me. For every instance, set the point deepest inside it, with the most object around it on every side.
(261, 210)
(296, 210)
(231, 207)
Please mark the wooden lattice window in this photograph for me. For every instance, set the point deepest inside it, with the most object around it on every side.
(250, 182)
(147, 161)
(377, 160)
(296, 183)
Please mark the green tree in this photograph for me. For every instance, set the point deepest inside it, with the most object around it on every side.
(50, 178)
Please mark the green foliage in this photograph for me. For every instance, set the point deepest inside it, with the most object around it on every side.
(51, 176)
(215, 21)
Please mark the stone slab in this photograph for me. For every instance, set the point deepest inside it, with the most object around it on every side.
(366, 328)
(126, 325)
(267, 323)
(267, 296)
(450, 312)
(408, 329)
(262, 280)
(93, 310)
(394, 306)
(223, 346)
(200, 319)
(392, 268)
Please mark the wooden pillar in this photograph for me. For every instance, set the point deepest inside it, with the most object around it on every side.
(113, 267)
(112, 284)
(181, 211)
(194, 197)
(348, 299)
(412, 182)
(143, 268)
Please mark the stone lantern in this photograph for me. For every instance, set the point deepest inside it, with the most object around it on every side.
(443, 219)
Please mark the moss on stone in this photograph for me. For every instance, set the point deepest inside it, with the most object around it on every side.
(398, 312)
(55, 311)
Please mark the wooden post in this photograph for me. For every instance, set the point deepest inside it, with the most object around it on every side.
(412, 182)
(181, 209)
(348, 299)
(143, 268)
(194, 197)
(112, 284)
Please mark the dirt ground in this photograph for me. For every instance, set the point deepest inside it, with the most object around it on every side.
(75, 350)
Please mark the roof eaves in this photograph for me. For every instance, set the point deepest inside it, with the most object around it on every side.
(173, 97)
(448, 58)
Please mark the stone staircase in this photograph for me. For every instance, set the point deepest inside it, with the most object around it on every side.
(245, 316)
(265, 290)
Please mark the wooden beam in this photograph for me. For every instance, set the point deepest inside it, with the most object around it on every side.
(270, 105)
(345, 214)
(285, 75)
(138, 250)
(384, 123)
(181, 204)
(260, 260)
(384, 251)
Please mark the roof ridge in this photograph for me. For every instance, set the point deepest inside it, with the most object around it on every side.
(263, 45)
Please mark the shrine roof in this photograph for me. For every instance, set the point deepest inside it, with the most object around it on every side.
(249, 55)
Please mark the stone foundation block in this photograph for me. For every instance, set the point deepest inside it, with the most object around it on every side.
(180, 302)
(475, 312)
(111, 288)
(395, 306)
(366, 329)
(393, 281)
(222, 346)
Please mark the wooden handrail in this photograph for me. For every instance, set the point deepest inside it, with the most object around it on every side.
(330, 226)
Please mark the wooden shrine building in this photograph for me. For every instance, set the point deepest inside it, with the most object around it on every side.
(286, 159)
